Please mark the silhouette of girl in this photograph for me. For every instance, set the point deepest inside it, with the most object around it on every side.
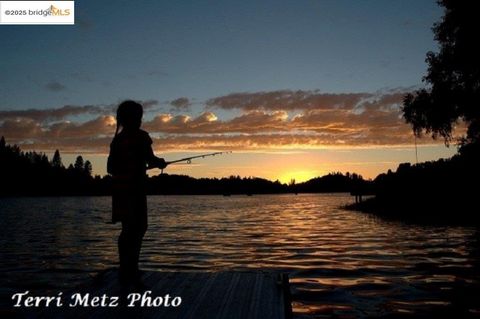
(130, 155)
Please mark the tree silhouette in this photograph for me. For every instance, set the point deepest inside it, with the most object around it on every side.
(79, 164)
(453, 78)
(88, 168)
(57, 159)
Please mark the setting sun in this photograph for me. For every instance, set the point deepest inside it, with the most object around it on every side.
(299, 176)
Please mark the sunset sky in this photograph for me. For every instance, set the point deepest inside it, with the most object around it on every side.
(296, 89)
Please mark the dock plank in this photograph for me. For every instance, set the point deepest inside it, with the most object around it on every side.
(221, 295)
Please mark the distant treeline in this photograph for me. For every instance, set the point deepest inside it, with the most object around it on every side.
(441, 190)
(33, 174)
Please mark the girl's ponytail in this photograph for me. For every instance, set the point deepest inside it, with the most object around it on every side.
(116, 130)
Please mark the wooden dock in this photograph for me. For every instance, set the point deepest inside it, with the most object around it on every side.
(228, 295)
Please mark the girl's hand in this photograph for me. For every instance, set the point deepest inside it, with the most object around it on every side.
(161, 164)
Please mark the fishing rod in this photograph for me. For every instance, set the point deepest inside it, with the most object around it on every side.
(189, 159)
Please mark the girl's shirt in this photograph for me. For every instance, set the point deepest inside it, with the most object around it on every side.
(130, 151)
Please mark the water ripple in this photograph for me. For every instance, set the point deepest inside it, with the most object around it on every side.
(341, 263)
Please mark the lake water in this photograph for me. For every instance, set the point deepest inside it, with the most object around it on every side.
(341, 263)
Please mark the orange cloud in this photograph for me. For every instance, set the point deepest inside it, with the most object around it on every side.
(270, 120)
(21, 128)
(208, 122)
(102, 125)
(55, 114)
(288, 100)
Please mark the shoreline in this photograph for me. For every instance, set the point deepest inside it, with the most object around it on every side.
(425, 212)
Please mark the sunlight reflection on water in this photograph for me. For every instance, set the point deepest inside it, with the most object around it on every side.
(340, 262)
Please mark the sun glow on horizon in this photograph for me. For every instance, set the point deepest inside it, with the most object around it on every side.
(299, 176)
(300, 166)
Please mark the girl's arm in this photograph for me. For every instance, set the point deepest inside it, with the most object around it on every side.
(154, 161)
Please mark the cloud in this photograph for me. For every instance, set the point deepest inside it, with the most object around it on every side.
(287, 100)
(21, 129)
(55, 86)
(147, 104)
(360, 113)
(296, 120)
(208, 123)
(102, 125)
(275, 141)
(34, 130)
(64, 112)
(181, 103)
(51, 114)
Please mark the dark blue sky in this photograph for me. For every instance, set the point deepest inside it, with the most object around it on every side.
(201, 49)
